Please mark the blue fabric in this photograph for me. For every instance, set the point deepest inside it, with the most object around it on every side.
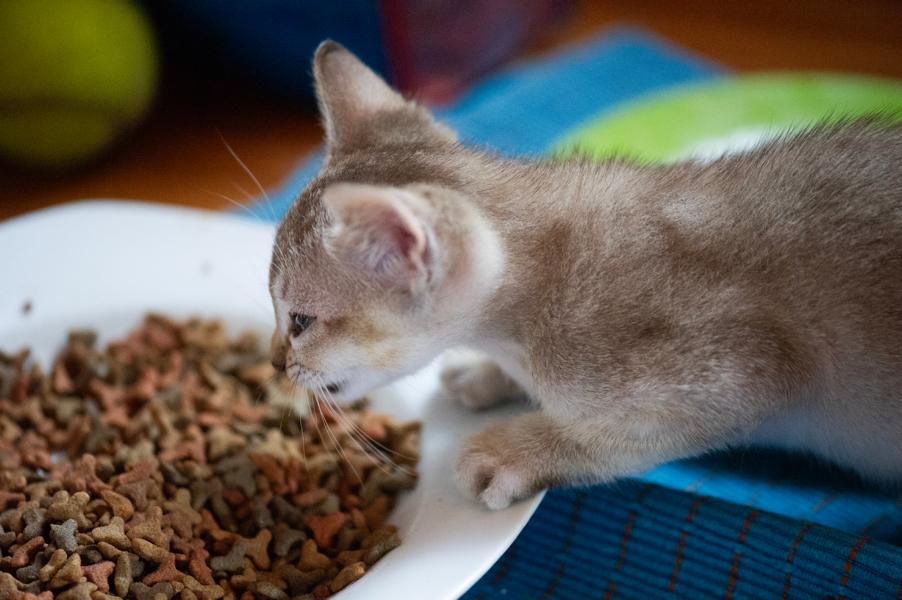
(640, 540)
(623, 540)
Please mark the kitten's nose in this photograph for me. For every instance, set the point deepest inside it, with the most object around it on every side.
(278, 352)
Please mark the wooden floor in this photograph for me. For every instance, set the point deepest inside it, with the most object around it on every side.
(179, 155)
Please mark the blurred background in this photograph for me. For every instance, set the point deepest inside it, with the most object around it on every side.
(158, 100)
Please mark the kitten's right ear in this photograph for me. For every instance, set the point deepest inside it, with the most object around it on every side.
(348, 91)
(376, 231)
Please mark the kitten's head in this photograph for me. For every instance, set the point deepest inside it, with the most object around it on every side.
(382, 262)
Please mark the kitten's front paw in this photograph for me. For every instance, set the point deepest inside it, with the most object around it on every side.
(489, 473)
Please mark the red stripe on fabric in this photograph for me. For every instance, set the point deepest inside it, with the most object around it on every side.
(787, 580)
(625, 538)
(734, 568)
(850, 561)
(681, 546)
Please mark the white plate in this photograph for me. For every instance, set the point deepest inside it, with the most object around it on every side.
(104, 264)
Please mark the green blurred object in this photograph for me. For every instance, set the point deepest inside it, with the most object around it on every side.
(730, 114)
(74, 76)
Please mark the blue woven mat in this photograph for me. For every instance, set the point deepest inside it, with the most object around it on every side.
(742, 524)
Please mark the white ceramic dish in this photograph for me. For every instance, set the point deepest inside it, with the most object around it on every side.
(103, 264)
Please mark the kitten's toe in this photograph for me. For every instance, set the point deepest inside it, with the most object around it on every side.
(483, 475)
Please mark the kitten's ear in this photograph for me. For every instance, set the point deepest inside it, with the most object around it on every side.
(350, 94)
(348, 91)
(375, 230)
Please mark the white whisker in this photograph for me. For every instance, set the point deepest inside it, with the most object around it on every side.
(250, 174)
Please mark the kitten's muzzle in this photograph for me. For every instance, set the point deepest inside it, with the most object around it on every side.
(312, 380)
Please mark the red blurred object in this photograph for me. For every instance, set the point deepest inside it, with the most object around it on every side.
(436, 47)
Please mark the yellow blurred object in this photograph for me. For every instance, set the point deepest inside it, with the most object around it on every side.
(74, 75)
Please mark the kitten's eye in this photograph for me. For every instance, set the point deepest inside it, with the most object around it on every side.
(299, 323)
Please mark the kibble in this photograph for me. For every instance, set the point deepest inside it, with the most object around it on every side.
(165, 466)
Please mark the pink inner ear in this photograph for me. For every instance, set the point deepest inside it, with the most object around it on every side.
(378, 231)
(405, 240)
(396, 244)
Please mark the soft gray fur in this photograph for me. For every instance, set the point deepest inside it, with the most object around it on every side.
(650, 312)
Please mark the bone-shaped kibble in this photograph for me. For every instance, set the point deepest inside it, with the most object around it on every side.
(63, 535)
(113, 534)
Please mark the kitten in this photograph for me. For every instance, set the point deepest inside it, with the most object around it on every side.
(650, 312)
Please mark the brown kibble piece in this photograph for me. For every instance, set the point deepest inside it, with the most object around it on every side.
(348, 557)
(34, 519)
(246, 577)
(285, 538)
(209, 525)
(233, 561)
(8, 498)
(197, 564)
(160, 591)
(99, 574)
(149, 550)
(57, 560)
(67, 507)
(8, 586)
(150, 529)
(311, 558)
(140, 482)
(222, 440)
(165, 572)
(22, 555)
(82, 591)
(325, 527)
(119, 504)
(257, 548)
(108, 550)
(67, 574)
(268, 590)
(347, 576)
(311, 497)
(204, 592)
(122, 575)
(113, 534)
(376, 512)
(180, 515)
(380, 547)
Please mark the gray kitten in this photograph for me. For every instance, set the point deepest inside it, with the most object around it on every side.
(651, 312)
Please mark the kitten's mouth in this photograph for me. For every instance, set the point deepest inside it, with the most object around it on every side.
(334, 387)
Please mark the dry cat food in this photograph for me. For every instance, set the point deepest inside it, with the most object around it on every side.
(170, 465)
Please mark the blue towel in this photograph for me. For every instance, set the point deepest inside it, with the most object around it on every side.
(740, 524)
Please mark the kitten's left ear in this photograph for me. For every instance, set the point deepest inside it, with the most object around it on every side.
(376, 230)
(350, 94)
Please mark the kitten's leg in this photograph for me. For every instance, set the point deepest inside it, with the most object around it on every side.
(517, 458)
(477, 382)
(704, 401)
